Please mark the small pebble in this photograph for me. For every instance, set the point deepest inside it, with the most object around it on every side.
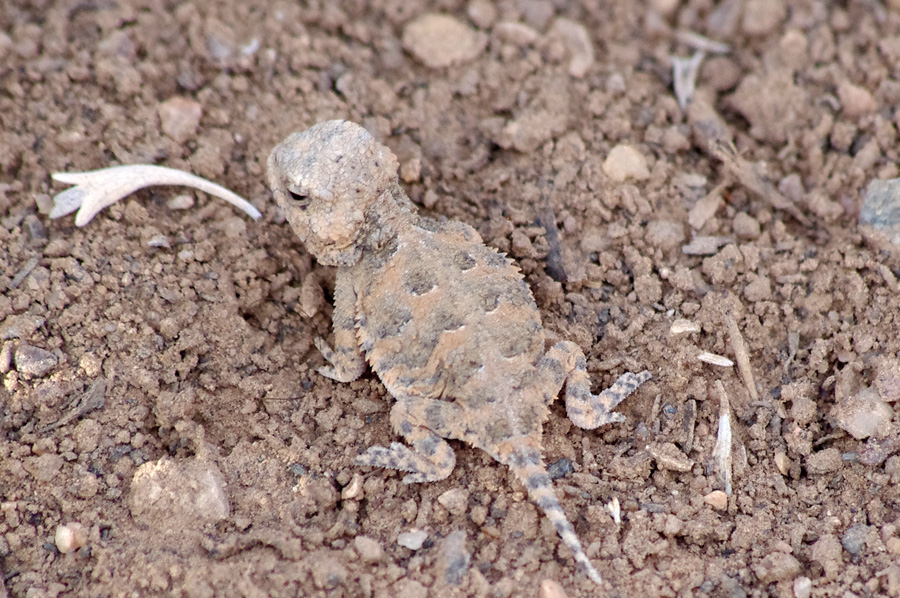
(369, 550)
(159, 241)
(353, 490)
(34, 362)
(881, 207)
(412, 540)
(761, 17)
(777, 566)
(179, 118)
(577, 40)
(552, 589)
(181, 202)
(482, 13)
(456, 501)
(234, 227)
(717, 499)
(35, 228)
(824, 461)
(516, 33)
(803, 409)
(827, 552)
(178, 493)
(411, 170)
(802, 587)
(623, 162)
(782, 462)
(887, 380)
(70, 537)
(721, 73)
(705, 208)
(665, 8)
(439, 40)
(855, 100)
(6, 356)
(560, 469)
(854, 539)
(745, 226)
(758, 289)
(864, 414)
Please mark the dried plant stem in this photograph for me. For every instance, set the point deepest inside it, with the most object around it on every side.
(97, 189)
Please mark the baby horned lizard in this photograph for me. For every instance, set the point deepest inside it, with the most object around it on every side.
(447, 323)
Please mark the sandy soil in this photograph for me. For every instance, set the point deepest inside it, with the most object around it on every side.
(163, 427)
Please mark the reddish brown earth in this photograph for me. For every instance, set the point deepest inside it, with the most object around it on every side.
(216, 461)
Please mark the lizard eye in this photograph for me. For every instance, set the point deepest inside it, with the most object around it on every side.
(301, 200)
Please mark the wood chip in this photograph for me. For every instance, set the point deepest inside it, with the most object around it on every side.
(615, 510)
(706, 208)
(668, 456)
(683, 326)
(713, 359)
(700, 42)
(743, 357)
(722, 450)
(684, 77)
(688, 424)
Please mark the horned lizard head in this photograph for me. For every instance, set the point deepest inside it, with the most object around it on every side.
(326, 179)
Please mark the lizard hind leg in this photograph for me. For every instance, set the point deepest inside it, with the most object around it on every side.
(428, 458)
(586, 410)
(527, 465)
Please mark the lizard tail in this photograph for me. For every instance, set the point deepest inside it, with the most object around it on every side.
(527, 465)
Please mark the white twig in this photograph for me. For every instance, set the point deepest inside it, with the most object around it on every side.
(97, 189)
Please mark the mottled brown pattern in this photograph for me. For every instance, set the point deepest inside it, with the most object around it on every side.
(447, 323)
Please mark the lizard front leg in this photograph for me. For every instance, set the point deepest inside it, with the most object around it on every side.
(346, 359)
(586, 410)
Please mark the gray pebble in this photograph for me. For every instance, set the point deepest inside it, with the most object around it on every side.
(881, 207)
(561, 468)
(412, 540)
(854, 539)
(34, 361)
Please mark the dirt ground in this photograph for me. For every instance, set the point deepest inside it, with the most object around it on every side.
(164, 430)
